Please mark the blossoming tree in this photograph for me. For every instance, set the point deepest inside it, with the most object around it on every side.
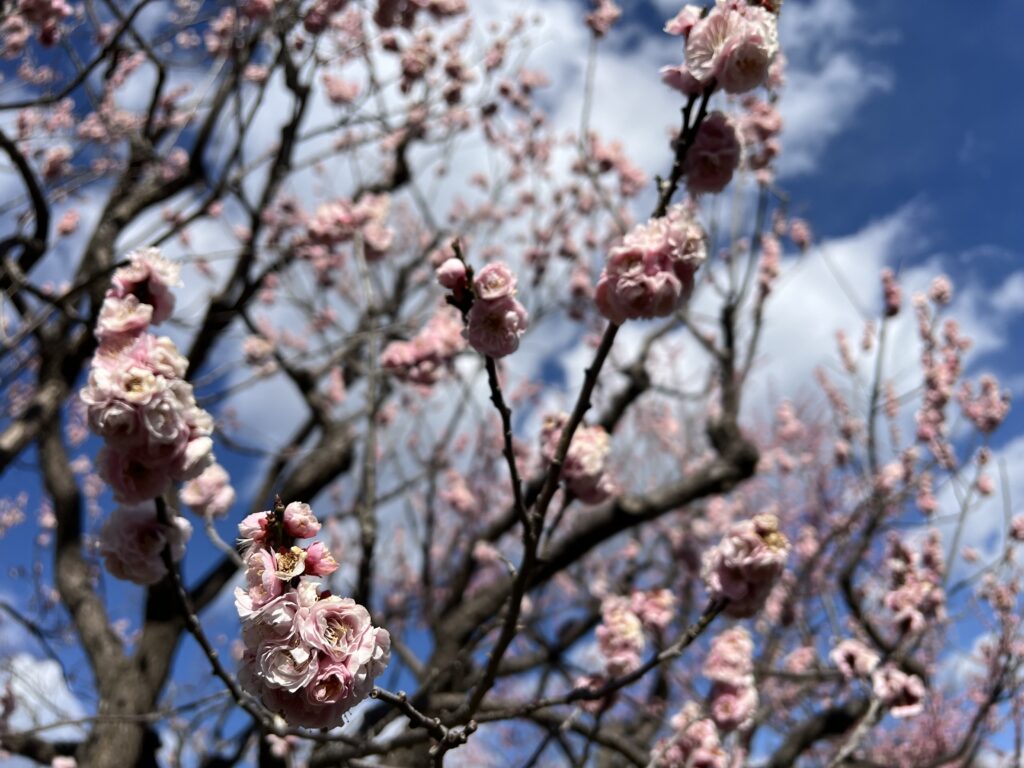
(357, 216)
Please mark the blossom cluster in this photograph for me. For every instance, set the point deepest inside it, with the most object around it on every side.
(44, 15)
(989, 408)
(425, 357)
(340, 221)
(714, 155)
(604, 157)
(620, 636)
(585, 466)
(652, 270)
(854, 659)
(695, 742)
(730, 667)
(760, 125)
(495, 320)
(915, 596)
(154, 432)
(136, 398)
(733, 45)
(310, 656)
(745, 565)
(133, 539)
(903, 694)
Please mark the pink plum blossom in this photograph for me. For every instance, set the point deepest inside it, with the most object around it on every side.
(211, 493)
(902, 693)
(495, 327)
(133, 538)
(299, 521)
(601, 19)
(854, 659)
(734, 44)
(123, 318)
(744, 567)
(584, 466)
(653, 269)
(495, 281)
(149, 278)
(452, 274)
(714, 155)
(620, 636)
(319, 560)
(730, 659)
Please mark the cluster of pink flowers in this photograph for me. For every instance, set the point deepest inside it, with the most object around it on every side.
(745, 565)
(891, 293)
(390, 13)
(942, 363)
(601, 19)
(714, 155)
(584, 469)
(340, 91)
(730, 667)
(132, 542)
(310, 656)
(44, 15)
(654, 607)
(425, 357)
(695, 742)
(137, 399)
(854, 659)
(915, 595)
(652, 271)
(340, 221)
(988, 410)
(496, 321)
(210, 494)
(760, 125)
(733, 45)
(903, 694)
(154, 432)
(620, 636)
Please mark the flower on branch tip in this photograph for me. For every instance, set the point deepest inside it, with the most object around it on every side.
(745, 565)
(309, 656)
(149, 278)
(902, 693)
(714, 155)
(132, 541)
(494, 327)
(854, 659)
(653, 269)
(584, 468)
(735, 44)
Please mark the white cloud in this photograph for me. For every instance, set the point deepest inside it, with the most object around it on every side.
(42, 696)
(819, 104)
(833, 287)
(1009, 297)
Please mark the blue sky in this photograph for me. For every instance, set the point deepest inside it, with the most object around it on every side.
(947, 132)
